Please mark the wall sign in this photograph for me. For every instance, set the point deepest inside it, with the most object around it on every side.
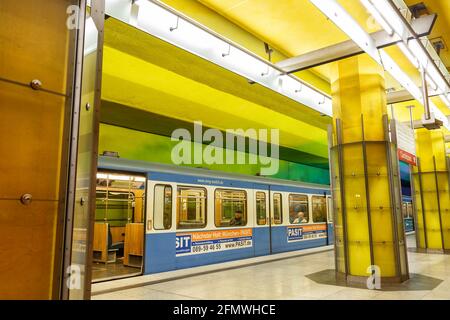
(406, 144)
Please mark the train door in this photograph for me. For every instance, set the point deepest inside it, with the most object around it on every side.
(118, 246)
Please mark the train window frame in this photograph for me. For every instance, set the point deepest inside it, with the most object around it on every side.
(190, 227)
(312, 208)
(215, 208)
(107, 199)
(280, 220)
(307, 208)
(171, 206)
(265, 208)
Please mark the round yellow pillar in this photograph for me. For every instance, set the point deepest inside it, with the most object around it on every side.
(431, 191)
(365, 176)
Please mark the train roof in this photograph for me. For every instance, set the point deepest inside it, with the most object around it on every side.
(120, 164)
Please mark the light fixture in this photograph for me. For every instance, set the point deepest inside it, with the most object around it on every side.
(390, 19)
(374, 12)
(431, 83)
(386, 17)
(445, 99)
(341, 18)
(163, 22)
(102, 176)
(90, 37)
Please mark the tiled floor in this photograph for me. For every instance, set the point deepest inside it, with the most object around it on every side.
(101, 271)
(287, 279)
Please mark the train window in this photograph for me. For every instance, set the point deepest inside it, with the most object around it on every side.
(162, 216)
(298, 209)
(114, 207)
(191, 208)
(319, 208)
(277, 209)
(231, 208)
(261, 212)
(405, 210)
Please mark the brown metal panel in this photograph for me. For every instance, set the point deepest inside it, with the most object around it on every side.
(27, 248)
(34, 42)
(31, 127)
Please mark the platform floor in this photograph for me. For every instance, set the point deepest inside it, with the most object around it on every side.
(301, 277)
(105, 271)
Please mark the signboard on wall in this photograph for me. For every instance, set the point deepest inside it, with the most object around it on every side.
(406, 144)
(212, 241)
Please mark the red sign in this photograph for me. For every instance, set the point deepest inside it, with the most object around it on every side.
(407, 157)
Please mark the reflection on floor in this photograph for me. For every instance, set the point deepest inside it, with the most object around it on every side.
(107, 271)
(290, 279)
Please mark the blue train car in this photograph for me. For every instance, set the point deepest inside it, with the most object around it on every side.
(194, 217)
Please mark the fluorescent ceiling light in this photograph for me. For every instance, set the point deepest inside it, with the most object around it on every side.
(102, 176)
(90, 37)
(445, 99)
(119, 177)
(170, 26)
(431, 83)
(382, 11)
(377, 16)
(386, 17)
(340, 17)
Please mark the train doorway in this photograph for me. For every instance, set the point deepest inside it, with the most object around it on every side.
(118, 246)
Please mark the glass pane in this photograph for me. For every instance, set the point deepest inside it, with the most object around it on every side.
(319, 209)
(231, 208)
(162, 207)
(277, 208)
(261, 212)
(298, 209)
(191, 208)
(85, 153)
(118, 227)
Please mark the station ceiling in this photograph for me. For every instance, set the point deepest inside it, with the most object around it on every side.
(295, 27)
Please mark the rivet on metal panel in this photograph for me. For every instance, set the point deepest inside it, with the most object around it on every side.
(36, 84)
(88, 106)
(26, 199)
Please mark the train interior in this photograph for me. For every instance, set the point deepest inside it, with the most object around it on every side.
(118, 246)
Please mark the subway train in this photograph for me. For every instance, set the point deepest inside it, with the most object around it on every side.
(152, 218)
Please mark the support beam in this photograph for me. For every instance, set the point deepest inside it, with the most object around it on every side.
(365, 176)
(431, 196)
(403, 95)
(422, 27)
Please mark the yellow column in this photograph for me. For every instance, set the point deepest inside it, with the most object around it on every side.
(431, 191)
(366, 192)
